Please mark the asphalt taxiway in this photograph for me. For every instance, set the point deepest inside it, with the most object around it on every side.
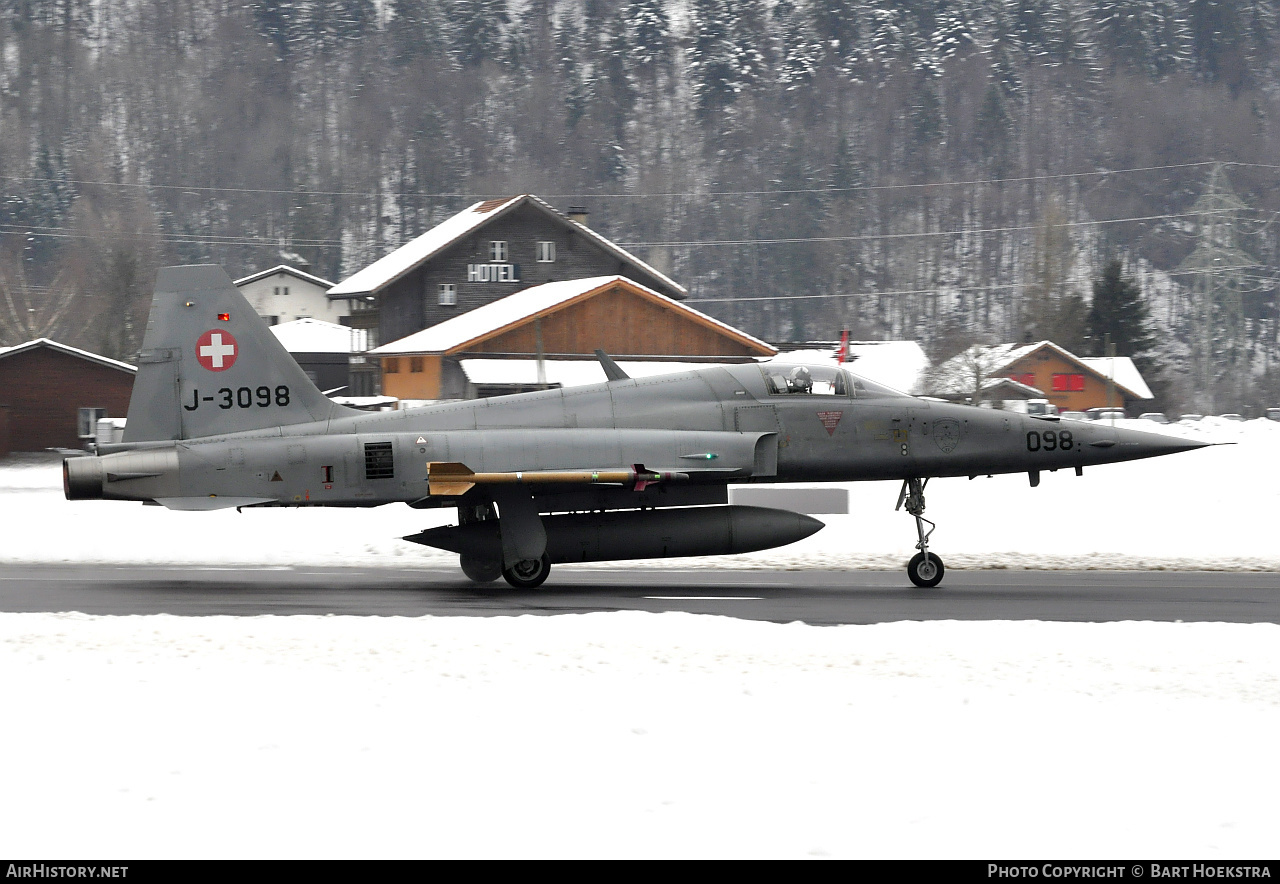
(815, 597)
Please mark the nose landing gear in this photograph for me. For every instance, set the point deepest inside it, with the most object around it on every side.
(925, 569)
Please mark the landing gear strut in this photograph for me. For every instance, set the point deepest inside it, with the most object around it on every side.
(925, 569)
(480, 570)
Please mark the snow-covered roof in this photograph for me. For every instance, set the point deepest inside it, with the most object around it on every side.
(488, 319)
(1123, 371)
(564, 372)
(284, 268)
(1013, 389)
(73, 351)
(314, 336)
(897, 364)
(389, 268)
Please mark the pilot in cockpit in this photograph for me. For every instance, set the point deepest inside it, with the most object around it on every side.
(799, 380)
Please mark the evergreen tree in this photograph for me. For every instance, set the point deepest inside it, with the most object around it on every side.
(417, 28)
(750, 42)
(577, 85)
(993, 129)
(478, 27)
(327, 24)
(650, 33)
(617, 95)
(1005, 48)
(845, 173)
(280, 22)
(1216, 30)
(711, 57)
(800, 51)
(1118, 310)
(839, 25)
(68, 17)
(1141, 35)
(950, 28)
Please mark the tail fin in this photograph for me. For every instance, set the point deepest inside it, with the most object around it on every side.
(209, 365)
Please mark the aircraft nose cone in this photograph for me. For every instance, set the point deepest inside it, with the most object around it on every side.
(1135, 444)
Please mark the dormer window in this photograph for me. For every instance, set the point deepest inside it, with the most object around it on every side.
(498, 250)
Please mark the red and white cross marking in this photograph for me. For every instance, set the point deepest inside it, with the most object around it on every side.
(216, 350)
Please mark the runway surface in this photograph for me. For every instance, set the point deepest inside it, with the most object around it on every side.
(815, 597)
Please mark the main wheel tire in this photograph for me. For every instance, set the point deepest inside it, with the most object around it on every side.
(481, 570)
(529, 573)
(924, 573)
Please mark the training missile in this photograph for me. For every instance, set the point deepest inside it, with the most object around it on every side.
(454, 479)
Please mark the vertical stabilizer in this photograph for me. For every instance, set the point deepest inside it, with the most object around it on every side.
(209, 365)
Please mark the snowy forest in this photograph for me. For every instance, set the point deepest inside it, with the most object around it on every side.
(948, 171)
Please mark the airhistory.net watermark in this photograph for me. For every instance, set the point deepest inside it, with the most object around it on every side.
(41, 870)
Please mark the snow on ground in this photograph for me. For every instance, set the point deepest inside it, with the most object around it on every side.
(636, 735)
(656, 735)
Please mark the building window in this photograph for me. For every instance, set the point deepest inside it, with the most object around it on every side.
(448, 294)
(546, 252)
(1027, 378)
(1068, 383)
(498, 250)
(281, 290)
(415, 364)
(391, 366)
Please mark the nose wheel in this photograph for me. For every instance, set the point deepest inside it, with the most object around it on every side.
(925, 569)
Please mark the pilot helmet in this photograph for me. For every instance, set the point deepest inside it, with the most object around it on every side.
(800, 379)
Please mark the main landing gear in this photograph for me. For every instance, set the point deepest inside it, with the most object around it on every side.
(522, 574)
(528, 573)
(925, 569)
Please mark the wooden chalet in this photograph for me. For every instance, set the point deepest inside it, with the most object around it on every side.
(545, 336)
(1071, 382)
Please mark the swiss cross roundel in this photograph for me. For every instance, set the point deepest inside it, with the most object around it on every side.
(217, 350)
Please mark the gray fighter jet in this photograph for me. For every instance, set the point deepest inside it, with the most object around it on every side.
(222, 416)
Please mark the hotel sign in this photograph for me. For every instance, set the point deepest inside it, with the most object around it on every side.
(493, 273)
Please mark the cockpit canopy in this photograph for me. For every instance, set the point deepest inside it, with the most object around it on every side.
(790, 379)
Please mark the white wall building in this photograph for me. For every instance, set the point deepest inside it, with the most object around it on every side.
(283, 294)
